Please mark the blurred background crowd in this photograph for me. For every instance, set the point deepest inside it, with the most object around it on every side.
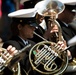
(6, 6)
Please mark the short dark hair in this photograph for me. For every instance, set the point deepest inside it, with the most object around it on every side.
(14, 28)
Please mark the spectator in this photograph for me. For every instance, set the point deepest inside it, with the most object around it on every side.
(7, 7)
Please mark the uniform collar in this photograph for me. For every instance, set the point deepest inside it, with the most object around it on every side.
(24, 41)
(66, 24)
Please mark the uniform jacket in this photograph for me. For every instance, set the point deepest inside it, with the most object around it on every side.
(68, 33)
(25, 64)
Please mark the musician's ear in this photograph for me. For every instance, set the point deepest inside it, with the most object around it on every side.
(19, 26)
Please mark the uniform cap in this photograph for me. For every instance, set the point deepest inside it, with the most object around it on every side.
(40, 6)
(26, 16)
(23, 13)
(70, 4)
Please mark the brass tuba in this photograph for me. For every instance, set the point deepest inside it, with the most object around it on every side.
(46, 57)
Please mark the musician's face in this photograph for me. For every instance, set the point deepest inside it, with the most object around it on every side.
(26, 31)
(39, 18)
(71, 15)
(67, 16)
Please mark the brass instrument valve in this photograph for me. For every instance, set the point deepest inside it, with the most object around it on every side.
(5, 58)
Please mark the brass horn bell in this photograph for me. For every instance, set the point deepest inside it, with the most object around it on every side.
(45, 58)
